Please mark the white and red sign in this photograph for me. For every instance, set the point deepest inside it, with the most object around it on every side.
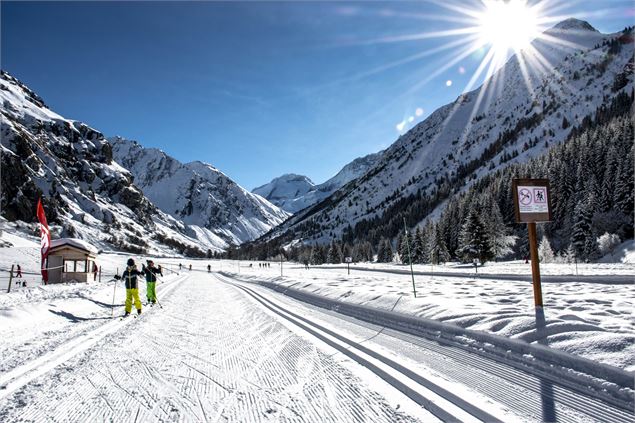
(532, 199)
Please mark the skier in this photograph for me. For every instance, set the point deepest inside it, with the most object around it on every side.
(151, 279)
(95, 269)
(18, 271)
(209, 268)
(180, 265)
(132, 289)
(190, 267)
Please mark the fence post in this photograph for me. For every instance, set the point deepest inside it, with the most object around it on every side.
(10, 279)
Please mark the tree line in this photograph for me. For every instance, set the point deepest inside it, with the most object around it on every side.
(591, 175)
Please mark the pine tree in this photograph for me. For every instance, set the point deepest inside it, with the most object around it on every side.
(402, 247)
(545, 252)
(384, 252)
(474, 240)
(420, 246)
(501, 242)
(438, 251)
(380, 251)
(581, 229)
(334, 255)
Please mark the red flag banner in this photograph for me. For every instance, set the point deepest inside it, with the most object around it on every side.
(45, 236)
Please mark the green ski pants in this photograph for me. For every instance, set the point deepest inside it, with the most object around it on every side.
(150, 292)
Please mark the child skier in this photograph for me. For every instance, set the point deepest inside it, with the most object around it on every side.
(151, 279)
(132, 289)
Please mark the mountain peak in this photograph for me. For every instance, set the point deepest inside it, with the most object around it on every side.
(575, 25)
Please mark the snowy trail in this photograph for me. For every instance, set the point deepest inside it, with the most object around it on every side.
(439, 401)
(211, 354)
(529, 392)
(20, 376)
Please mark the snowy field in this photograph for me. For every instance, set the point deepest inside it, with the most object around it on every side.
(212, 353)
(591, 319)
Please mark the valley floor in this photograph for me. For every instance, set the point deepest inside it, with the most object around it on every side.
(220, 349)
(243, 343)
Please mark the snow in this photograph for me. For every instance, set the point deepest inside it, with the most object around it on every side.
(458, 133)
(217, 211)
(212, 344)
(75, 243)
(584, 317)
(293, 192)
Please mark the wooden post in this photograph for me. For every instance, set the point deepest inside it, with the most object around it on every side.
(535, 265)
(10, 278)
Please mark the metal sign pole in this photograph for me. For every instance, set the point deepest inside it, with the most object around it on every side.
(412, 273)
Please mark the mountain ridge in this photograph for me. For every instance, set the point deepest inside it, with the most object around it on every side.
(513, 116)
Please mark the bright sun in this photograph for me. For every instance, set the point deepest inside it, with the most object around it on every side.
(507, 25)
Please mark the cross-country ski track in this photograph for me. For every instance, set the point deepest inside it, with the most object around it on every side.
(221, 349)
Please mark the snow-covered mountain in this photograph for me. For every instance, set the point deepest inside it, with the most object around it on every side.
(86, 194)
(523, 109)
(210, 203)
(284, 190)
(296, 192)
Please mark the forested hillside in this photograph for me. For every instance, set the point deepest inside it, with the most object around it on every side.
(591, 176)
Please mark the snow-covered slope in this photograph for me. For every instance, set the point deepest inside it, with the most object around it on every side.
(198, 194)
(284, 190)
(296, 192)
(527, 106)
(86, 194)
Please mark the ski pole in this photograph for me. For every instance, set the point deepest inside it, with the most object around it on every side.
(113, 297)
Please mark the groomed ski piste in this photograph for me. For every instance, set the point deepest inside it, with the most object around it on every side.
(244, 344)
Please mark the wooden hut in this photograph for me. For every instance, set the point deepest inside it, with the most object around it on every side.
(71, 260)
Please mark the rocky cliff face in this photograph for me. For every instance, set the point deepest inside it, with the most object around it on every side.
(198, 194)
(85, 192)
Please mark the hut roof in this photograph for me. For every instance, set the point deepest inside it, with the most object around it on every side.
(74, 242)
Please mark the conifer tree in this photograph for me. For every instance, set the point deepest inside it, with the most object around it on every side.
(581, 229)
(544, 251)
(334, 255)
(474, 240)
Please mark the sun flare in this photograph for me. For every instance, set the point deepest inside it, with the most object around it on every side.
(507, 25)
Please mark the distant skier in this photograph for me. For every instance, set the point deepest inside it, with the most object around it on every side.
(180, 265)
(209, 268)
(190, 267)
(151, 273)
(95, 269)
(132, 288)
(18, 271)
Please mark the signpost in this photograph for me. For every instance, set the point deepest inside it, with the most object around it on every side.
(532, 204)
(348, 261)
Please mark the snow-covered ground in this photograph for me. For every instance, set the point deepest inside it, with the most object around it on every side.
(591, 319)
(220, 348)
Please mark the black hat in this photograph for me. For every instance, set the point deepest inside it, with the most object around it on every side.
(130, 262)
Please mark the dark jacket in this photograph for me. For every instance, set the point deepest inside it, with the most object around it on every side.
(130, 278)
(151, 273)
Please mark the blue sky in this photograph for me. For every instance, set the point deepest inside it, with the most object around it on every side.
(257, 89)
